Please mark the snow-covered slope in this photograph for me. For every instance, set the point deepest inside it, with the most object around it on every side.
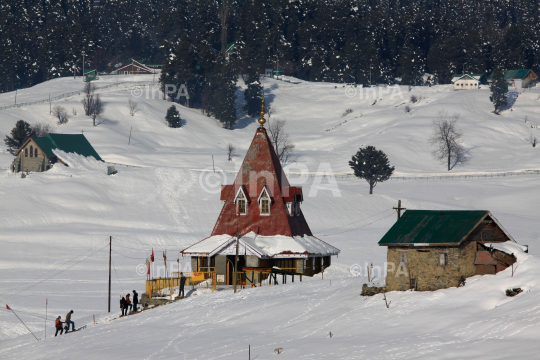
(55, 229)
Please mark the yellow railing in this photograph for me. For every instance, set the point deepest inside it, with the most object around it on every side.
(154, 287)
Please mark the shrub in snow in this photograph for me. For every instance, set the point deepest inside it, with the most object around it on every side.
(414, 99)
(173, 117)
(532, 139)
(61, 114)
(347, 112)
(407, 109)
(371, 165)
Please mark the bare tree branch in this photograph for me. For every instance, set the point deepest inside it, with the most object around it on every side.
(231, 151)
(132, 107)
(280, 139)
(61, 114)
(446, 137)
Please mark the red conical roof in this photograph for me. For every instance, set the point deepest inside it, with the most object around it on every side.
(261, 168)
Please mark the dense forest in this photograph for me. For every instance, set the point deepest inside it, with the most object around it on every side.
(318, 40)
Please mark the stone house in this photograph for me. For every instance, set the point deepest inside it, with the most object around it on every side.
(431, 249)
(466, 82)
(36, 154)
(263, 210)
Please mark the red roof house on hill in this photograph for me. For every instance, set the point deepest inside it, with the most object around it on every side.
(264, 209)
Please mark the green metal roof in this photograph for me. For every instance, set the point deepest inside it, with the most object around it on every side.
(70, 143)
(513, 74)
(433, 227)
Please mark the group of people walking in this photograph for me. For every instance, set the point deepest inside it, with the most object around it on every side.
(68, 322)
(125, 303)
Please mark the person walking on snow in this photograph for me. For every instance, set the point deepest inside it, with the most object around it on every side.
(68, 322)
(182, 283)
(135, 300)
(123, 305)
(128, 303)
(58, 325)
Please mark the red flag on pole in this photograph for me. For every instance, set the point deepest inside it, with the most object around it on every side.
(7, 307)
(148, 263)
(152, 256)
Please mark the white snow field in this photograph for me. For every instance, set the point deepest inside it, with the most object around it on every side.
(55, 229)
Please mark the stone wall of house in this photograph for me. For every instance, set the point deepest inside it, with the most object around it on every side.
(423, 265)
(29, 163)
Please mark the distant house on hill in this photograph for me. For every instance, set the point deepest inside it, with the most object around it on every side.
(466, 82)
(36, 154)
(481, 78)
(149, 64)
(135, 68)
(521, 78)
(431, 250)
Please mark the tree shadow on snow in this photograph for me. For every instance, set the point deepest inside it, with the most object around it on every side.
(463, 157)
(512, 98)
(243, 119)
(103, 121)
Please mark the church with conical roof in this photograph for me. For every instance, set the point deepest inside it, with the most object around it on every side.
(263, 210)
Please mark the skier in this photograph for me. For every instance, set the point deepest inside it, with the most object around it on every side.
(182, 283)
(68, 322)
(128, 303)
(135, 300)
(123, 305)
(58, 325)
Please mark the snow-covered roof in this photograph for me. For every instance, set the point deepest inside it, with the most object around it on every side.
(264, 246)
(509, 247)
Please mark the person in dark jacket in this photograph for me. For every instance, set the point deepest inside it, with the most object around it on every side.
(182, 283)
(135, 300)
(69, 322)
(58, 325)
(123, 305)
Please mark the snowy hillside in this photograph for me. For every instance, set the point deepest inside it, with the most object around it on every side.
(55, 228)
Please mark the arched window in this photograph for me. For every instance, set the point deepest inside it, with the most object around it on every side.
(35, 152)
(25, 152)
(31, 151)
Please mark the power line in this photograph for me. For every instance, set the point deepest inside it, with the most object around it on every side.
(354, 222)
(56, 268)
(58, 273)
(129, 257)
(341, 232)
(117, 277)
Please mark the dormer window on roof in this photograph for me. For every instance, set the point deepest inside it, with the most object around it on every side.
(264, 202)
(241, 202)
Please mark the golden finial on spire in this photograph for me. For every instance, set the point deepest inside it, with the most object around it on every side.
(262, 120)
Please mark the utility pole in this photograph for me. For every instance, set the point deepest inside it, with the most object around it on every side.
(236, 262)
(15, 97)
(83, 80)
(110, 253)
(398, 209)
(50, 108)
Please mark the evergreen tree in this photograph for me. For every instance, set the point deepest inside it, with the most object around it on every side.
(173, 117)
(19, 134)
(498, 88)
(253, 93)
(372, 165)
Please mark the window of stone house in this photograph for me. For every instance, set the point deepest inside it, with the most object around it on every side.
(35, 152)
(26, 152)
(31, 151)
(403, 258)
(443, 259)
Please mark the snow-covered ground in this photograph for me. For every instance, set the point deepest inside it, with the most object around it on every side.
(55, 229)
